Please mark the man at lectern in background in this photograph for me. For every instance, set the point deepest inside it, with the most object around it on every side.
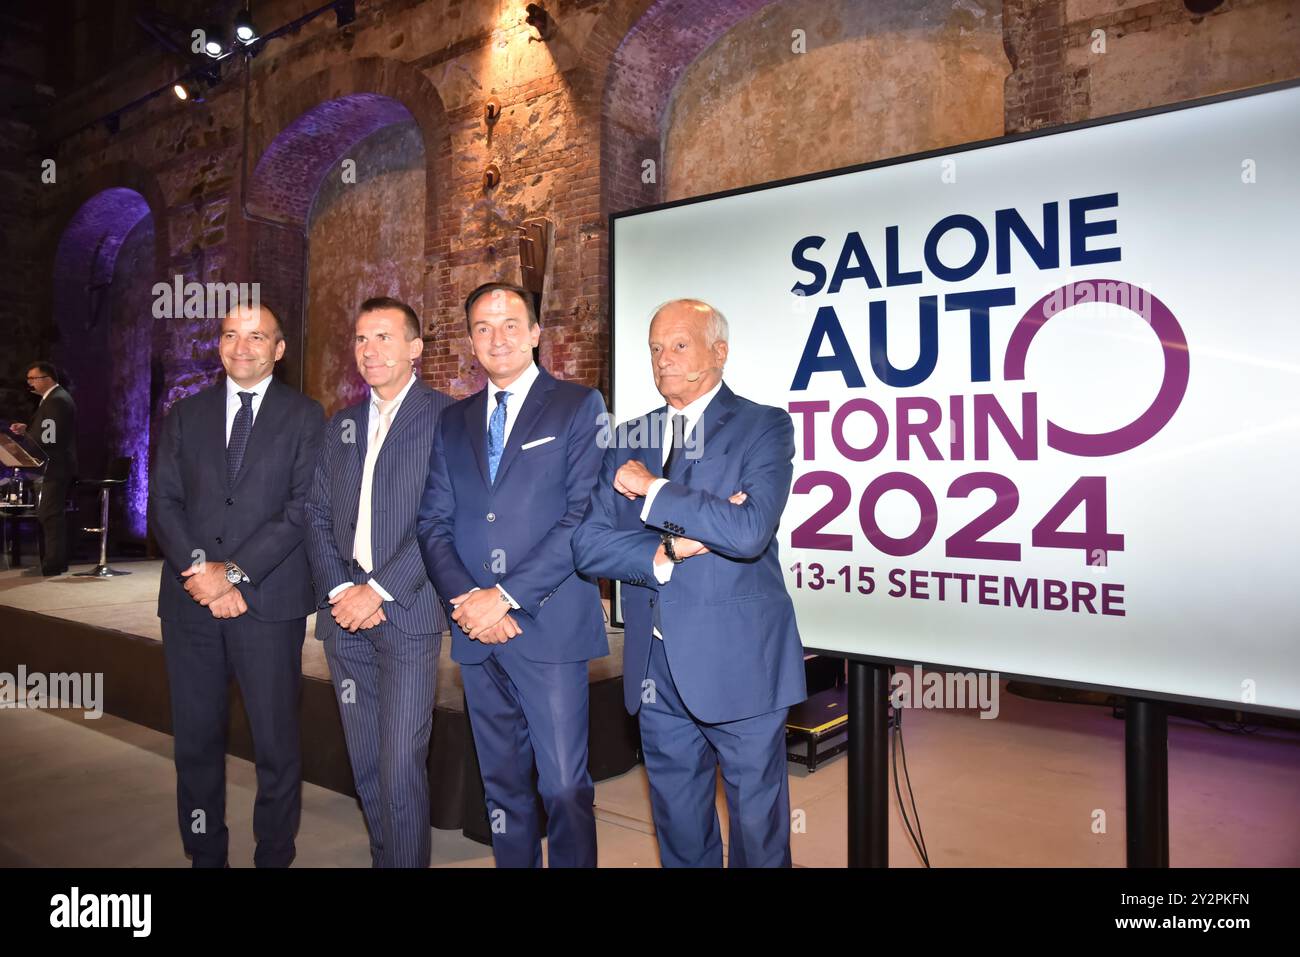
(53, 429)
(226, 500)
(510, 476)
(712, 658)
(378, 616)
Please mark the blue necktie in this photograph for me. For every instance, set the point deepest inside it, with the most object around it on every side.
(239, 430)
(496, 435)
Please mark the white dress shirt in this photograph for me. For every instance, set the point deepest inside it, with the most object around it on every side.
(693, 411)
(518, 390)
(375, 444)
(233, 402)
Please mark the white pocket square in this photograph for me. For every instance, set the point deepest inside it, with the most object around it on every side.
(528, 445)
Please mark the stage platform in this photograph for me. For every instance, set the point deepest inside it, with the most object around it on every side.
(70, 624)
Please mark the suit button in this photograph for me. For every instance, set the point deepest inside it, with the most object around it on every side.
(230, 501)
(491, 516)
(218, 541)
(485, 567)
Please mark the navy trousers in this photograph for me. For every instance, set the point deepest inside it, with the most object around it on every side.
(265, 657)
(384, 680)
(682, 756)
(529, 715)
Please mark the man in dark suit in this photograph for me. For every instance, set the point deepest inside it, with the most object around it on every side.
(226, 501)
(712, 658)
(509, 479)
(53, 428)
(378, 615)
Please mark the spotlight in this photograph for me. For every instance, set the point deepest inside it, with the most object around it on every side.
(188, 91)
(213, 45)
(345, 11)
(245, 32)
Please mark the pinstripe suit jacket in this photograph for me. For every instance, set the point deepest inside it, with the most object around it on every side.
(396, 486)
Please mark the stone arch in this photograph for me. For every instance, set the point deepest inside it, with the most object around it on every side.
(307, 130)
(103, 334)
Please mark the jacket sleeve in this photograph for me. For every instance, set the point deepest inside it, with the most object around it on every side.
(436, 525)
(167, 512)
(742, 531)
(327, 565)
(600, 548)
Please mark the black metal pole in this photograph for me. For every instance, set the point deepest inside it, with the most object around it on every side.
(868, 765)
(1146, 782)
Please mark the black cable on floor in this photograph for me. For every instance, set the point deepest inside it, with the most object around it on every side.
(917, 838)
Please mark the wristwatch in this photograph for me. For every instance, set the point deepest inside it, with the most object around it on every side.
(668, 538)
(235, 574)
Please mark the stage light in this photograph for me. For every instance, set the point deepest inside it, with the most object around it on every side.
(245, 32)
(190, 89)
(213, 45)
(345, 11)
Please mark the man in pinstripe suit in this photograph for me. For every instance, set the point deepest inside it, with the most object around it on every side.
(378, 616)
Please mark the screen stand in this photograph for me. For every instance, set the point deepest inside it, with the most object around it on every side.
(1146, 782)
(868, 764)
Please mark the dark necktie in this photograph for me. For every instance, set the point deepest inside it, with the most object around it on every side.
(675, 456)
(239, 431)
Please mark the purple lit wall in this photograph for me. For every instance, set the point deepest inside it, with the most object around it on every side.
(103, 272)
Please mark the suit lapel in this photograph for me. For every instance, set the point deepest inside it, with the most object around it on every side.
(521, 431)
(657, 426)
(718, 413)
(411, 409)
(212, 422)
(476, 429)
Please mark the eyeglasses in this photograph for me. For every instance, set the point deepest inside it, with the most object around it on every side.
(36, 378)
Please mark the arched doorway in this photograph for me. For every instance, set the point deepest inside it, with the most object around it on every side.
(104, 271)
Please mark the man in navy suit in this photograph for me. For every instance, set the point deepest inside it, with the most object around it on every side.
(230, 479)
(378, 616)
(510, 476)
(711, 656)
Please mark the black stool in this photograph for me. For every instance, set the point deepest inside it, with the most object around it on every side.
(119, 471)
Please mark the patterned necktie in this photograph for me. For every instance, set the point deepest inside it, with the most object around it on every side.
(361, 546)
(239, 431)
(674, 450)
(496, 435)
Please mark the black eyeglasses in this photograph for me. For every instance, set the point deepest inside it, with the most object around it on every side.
(36, 378)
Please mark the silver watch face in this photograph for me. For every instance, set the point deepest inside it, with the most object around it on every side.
(232, 576)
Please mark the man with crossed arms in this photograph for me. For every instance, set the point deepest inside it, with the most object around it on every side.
(711, 657)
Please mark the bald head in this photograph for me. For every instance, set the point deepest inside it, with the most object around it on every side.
(251, 343)
(688, 349)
